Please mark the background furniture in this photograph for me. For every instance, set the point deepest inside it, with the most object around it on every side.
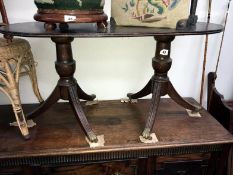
(217, 106)
(221, 110)
(16, 59)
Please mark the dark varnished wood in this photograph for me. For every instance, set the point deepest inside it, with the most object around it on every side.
(82, 16)
(65, 64)
(3, 13)
(5, 20)
(67, 87)
(57, 140)
(160, 85)
(182, 163)
(222, 111)
(192, 20)
(36, 29)
(55, 15)
(192, 164)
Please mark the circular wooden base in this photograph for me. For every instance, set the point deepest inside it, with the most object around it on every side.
(70, 16)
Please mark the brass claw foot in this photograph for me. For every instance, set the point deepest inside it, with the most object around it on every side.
(92, 137)
(146, 134)
(198, 109)
(129, 95)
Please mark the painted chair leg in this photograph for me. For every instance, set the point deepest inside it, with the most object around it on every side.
(28, 64)
(22, 123)
(33, 77)
(18, 110)
(12, 91)
(13, 96)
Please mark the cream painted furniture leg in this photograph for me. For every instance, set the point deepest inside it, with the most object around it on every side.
(16, 59)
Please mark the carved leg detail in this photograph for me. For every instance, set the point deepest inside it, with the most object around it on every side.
(83, 95)
(153, 110)
(179, 100)
(79, 114)
(142, 93)
(53, 98)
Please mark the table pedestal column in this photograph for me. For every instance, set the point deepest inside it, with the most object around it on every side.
(67, 87)
(160, 85)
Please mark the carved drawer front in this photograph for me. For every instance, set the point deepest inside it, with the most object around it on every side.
(117, 168)
(183, 168)
(190, 164)
(11, 171)
(9, 174)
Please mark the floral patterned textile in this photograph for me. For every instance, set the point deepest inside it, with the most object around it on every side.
(150, 13)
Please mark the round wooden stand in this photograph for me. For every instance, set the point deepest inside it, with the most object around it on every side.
(51, 17)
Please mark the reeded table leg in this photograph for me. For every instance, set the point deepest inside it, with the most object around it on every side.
(79, 114)
(153, 110)
(67, 87)
(160, 85)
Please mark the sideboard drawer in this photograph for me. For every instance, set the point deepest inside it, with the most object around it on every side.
(191, 164)
(114, 168)
(183, 168)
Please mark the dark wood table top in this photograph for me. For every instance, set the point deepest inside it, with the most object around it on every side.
(58, 139)
(36, 29)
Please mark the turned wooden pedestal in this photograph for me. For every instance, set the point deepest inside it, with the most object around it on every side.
(160, 85)
(67, 87)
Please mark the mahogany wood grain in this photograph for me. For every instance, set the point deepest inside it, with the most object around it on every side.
(67, 87)
(36, 29)
(223, 112)
(58, 139)
(160, 85)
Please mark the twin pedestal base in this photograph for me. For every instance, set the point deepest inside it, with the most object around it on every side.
(68, 89)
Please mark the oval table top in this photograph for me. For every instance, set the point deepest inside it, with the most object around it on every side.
(87, 30)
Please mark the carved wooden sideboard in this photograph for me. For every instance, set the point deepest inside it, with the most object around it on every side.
(186, 145)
